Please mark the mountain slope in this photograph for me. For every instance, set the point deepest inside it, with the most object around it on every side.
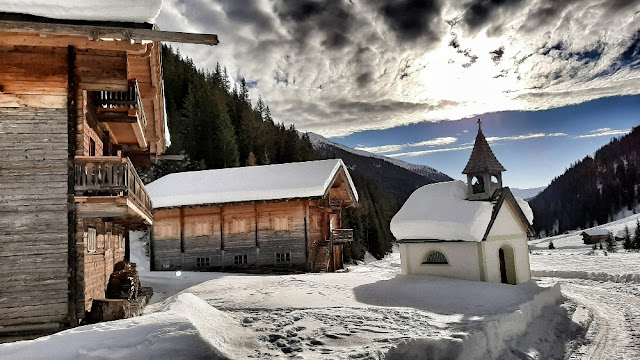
(527, 194)
(383, 185)
(395, 176)
(594, 190)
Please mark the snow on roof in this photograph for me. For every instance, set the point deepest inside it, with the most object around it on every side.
(596, 232)
(440, 211)
(526, 209)
(251, 183)
(139, 11)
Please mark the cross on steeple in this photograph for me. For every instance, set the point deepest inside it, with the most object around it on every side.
(479, 125)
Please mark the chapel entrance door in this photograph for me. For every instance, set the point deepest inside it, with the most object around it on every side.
(503, 267)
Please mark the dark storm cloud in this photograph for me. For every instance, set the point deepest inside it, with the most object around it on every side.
(496, 55)
(247, 12)
(387, 106)
(629, 58)
(364, 79)
(412, 19)
(332, 18)
(479, 12)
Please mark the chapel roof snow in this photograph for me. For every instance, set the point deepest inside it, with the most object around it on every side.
(310, 179)
(482, 158)
(441, 212)
(138, 11)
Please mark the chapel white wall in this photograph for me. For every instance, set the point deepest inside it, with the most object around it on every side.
(462, 257)
(507, 231)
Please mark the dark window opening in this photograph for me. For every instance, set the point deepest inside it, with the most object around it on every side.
(202, 262)
(435, 257)
(477, 185)
(240, 259)
(283, 258)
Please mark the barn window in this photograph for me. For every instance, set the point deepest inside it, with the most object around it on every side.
(239, 226)
(435, 257)
(240, 259)
(91, 239)
(283, 258)
(108, 240)
(280, 223)
(202, 262)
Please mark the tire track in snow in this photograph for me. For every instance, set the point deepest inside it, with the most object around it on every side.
(615, 330)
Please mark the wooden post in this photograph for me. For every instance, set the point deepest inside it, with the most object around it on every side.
(127, 246)
(152, 258)
(72, 111)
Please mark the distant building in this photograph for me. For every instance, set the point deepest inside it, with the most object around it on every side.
(594, 236)
(474, 231)
(256, 218)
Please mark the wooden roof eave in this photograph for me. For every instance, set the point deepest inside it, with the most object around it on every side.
(333, 180)
(240, 202)
(96, 32)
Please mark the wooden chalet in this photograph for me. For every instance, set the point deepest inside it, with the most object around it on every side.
(594, 236)
(284, 217)
(81, 104)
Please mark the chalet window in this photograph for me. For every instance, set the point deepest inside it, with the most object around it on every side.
(239, 226)
(280, 223)
(240, 259)
(91, 239)
(435, 257)
(202, 262)
(92, 147)
(283, 258)
(108, 240)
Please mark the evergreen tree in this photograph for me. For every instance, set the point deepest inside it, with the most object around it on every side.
(628, 242)
(636, 237)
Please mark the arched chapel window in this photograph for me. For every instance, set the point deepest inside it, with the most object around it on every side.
(435, 257)
(477, 184)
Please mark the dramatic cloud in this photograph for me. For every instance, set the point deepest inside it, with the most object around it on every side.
(392, 148)
(603, 132)
(341, 66)
(430, 151)
(523, 137)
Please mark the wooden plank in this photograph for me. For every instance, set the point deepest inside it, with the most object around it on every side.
(109, 32)
(35, 101)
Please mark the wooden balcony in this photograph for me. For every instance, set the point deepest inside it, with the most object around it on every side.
(123, 114)
(109, 187)
(340, 236)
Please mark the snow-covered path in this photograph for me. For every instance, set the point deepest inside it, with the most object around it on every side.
(615, 330)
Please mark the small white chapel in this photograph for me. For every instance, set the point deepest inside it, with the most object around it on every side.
(475, 231)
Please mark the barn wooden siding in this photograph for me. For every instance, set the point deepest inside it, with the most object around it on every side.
(258, 230)
(34, 186)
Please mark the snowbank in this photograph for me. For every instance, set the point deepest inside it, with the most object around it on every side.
(487, 341)
(441, 211)
(268, 182)
(102, 10)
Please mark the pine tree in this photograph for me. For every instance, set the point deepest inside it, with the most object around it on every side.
(636, 237)
(628, 242)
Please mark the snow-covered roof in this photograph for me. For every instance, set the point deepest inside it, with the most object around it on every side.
(596, 232)
(138, 11)
(252, 183)
(441, 211)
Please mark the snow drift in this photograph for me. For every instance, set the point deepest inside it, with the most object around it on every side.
(139, 11)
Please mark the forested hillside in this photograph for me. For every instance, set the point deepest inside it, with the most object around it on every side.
(213, 123)
(383, 187)
(592, 190)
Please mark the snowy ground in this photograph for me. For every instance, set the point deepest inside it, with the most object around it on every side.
(372, 312)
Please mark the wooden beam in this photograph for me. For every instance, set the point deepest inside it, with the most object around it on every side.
(95, 32)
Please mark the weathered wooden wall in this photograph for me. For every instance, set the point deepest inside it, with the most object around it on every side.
(33, 186)
(258, 230)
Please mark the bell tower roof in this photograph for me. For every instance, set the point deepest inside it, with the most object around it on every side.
(482, 159)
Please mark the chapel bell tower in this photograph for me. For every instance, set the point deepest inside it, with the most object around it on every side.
(484, 171)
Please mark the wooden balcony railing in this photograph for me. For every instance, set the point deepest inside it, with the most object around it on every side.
(341, 235)
(127, 103)
(110, 176)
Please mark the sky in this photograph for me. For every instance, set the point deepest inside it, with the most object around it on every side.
(552, 80)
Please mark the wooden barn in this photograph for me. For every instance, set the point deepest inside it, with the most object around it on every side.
(81, 104)
(594, 236)
(284, 216)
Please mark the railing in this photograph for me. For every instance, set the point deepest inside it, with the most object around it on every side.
(112, 176)
(341, 235)
(122, 101)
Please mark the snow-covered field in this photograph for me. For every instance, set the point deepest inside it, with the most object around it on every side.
(372, 312)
